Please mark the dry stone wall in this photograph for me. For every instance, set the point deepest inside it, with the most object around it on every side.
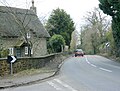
(21, 64)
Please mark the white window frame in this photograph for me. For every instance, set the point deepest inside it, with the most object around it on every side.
(28, 35)
(32, 51)
(11, 51)
(26, 50)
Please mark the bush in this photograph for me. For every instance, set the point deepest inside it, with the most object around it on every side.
(55, 43)
(4, 53)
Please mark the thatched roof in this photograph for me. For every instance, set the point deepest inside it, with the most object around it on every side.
(15, 21)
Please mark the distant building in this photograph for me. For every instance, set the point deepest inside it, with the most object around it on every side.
(18, 25)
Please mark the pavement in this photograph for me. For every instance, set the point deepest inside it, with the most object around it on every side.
(16, 80)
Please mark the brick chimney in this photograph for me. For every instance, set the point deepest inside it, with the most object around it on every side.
(33, 8)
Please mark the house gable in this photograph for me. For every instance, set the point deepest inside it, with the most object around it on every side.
(16, 24)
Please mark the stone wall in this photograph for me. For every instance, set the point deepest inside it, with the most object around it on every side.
(28, 63)
(4, 67)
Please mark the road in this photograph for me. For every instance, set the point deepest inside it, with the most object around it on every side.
(88, 73)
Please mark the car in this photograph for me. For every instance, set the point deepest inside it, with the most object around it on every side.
(79, 52)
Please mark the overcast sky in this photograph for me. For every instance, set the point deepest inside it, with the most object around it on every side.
(76, 8)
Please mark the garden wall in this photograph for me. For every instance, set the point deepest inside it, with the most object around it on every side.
(29, 63)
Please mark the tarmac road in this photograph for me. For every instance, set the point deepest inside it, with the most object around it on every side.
(88, 73)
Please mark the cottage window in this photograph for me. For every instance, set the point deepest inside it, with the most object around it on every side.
(26, 50)
(28, 35)
(18, 52)
(11, 51)
(32, 51)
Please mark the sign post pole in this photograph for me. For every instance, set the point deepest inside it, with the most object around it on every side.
(11, 68)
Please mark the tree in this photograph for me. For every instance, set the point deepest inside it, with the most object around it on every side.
(98, 20)
(89, 39)
(112, 8)
(60, 22)
(109, 36)
(56, 43)
(74, 41)
(95, 29)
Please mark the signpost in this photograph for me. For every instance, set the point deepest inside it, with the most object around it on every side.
(11, 60)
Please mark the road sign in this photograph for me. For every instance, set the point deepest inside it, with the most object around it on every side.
(14, 59)
(11, 59)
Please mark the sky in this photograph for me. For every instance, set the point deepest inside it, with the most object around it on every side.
(75, 8)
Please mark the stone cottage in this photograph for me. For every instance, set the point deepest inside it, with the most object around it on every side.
(21, 30)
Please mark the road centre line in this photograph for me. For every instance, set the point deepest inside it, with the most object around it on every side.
(65, 85)
(87, 60)
(90, 63)
(93, 65)
(105, 69)
(96, 66)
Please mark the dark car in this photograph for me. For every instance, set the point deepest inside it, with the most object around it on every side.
(79, 52)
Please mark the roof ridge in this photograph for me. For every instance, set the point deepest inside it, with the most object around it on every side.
(7, 9)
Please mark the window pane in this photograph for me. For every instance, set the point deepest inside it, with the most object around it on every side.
(26, 50)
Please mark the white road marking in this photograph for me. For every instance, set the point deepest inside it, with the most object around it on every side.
(90, 63)
(96, 66)
(54, 85)
(87, 60)
(65, 85)
(93, 65)
(105, 69)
